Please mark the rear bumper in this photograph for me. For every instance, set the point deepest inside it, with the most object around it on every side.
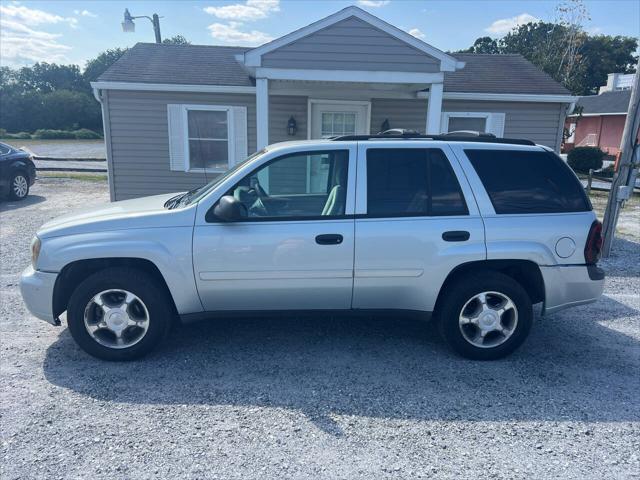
(571, 285)
(37, 292)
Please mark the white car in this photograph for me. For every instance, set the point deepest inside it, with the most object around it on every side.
(471, 230)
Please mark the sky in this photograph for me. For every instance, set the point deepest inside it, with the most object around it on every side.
(69, 31)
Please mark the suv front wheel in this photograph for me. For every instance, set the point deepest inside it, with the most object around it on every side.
(119, 314)
(485, 316)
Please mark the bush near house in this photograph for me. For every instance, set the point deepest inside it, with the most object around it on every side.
(50, 134)
(582, 159)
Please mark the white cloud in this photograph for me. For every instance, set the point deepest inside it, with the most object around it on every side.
(33, 17)
(505, 25)
(231, 33)
(416, 32)
(373, 3)
(21, 45)
(249, 11)
(85, 13)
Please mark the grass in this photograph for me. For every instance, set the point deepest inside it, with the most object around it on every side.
(90, 177)
(629, 218)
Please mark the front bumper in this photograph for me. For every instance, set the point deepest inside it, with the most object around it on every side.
(570, 285)
(37, 292)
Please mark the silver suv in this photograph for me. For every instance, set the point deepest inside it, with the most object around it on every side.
(472, 230)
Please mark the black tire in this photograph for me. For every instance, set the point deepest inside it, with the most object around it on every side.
(146, 287)
(19, 192)
(465, 288)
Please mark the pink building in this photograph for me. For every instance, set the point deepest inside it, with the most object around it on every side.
(598, 120)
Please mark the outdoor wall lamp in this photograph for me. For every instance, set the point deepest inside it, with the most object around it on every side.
(292, 127)
(129, 26)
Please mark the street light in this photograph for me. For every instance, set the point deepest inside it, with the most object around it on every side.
(129, 26)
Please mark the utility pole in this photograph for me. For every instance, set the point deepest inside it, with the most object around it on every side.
(624, 179)
(156, 27)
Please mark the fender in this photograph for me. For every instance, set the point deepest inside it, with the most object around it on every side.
(169, 249)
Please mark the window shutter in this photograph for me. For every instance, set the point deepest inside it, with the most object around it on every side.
(240, 142)
(177, 138)
(495, 124)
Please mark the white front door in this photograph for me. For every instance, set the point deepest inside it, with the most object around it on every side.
(331, 118)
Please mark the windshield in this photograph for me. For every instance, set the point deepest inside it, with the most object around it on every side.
(193, 196)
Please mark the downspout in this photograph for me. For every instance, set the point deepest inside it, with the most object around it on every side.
(106, 130)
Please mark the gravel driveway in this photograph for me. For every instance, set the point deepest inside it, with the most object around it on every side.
(316, 397)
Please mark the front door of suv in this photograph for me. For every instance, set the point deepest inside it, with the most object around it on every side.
(416, 220)
(294, 251)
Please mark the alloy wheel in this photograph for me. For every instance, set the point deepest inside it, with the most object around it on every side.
(488, 319)
(116, 318)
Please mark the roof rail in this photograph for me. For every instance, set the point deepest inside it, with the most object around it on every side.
(460, 136)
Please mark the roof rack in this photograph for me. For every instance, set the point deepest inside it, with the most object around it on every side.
(459, 136)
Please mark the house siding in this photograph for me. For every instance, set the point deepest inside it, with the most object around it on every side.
(401, 113)
(539, 122)
(281, 108)
(139, 141)
(351, 44)
(138, 146)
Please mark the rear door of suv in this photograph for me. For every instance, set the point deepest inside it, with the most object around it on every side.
(416, 220)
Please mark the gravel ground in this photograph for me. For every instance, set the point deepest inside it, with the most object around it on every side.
(317, 397)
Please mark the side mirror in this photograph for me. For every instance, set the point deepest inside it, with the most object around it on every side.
(230, 209)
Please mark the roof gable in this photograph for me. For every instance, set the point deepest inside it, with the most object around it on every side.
(359, 19)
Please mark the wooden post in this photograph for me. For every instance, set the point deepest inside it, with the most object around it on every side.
(623, 181)
(589, 180)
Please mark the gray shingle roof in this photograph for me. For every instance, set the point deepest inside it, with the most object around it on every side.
(214, 65)
(179, 64)
(484, 73)
(606, 102)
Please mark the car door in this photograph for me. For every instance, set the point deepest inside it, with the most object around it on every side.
(294, 250)
(416, 220)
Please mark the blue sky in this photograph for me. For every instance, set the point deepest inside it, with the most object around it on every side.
(68, 31)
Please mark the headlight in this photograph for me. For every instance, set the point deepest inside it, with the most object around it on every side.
(35, 251)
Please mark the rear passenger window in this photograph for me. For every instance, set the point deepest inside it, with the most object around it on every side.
(528, 182)
(412, 182)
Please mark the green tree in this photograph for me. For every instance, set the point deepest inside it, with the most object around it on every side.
(604, 54)
(483, 45)
(97, 66)
(176, 40)
(572, 57)
(47, 77)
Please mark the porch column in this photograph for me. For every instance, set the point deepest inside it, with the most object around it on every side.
(434, 109)
(262, 112)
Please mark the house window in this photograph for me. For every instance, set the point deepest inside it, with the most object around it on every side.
(208, 139)
(338, 123)
(478, 124)
(484, 122)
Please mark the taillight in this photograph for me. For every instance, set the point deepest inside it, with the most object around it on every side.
(593, 247)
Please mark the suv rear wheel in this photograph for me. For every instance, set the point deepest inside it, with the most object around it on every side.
(119, 314)
(485, 316)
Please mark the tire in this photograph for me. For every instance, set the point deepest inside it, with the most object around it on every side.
(112, 287)
(463, 316)
(19, 186)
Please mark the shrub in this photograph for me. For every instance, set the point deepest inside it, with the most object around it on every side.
(18, 136)
(86, 134)
(47, 134)
(581, 159)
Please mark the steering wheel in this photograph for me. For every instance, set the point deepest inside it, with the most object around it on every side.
(259, 208)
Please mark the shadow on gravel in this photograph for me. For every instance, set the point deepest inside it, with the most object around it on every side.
(571, 368)
(6, 204)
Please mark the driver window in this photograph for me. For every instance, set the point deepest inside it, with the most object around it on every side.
(308, 185)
